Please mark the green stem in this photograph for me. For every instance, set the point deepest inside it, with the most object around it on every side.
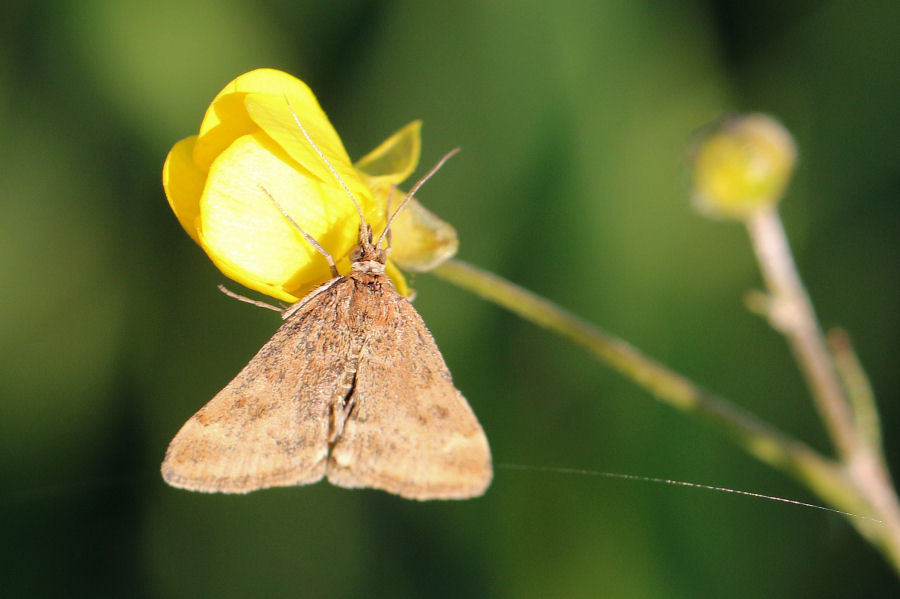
(859, 390)
(791, 312)
(823, 476)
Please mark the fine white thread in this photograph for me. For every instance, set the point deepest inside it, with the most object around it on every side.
(681, 483)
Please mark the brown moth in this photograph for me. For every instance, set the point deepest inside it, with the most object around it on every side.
(353, 388)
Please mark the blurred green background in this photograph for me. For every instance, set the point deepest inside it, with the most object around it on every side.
(573, 118)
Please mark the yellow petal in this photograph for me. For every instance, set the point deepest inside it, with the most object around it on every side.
(183, 183)
(266, 81)
(275, 114)
(236, 273)
(395, 158)
(226, 118)
(242, 227)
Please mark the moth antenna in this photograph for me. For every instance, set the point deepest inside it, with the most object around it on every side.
(309, 238)
(414, 189)
(387, 210)
(325, 160)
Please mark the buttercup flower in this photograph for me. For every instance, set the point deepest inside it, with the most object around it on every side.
(229, 185)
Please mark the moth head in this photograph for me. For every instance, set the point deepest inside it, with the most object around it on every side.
(367, 256)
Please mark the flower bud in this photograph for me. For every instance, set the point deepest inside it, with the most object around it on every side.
(742, 164)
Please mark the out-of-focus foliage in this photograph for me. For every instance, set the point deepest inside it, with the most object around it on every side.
(573, 118)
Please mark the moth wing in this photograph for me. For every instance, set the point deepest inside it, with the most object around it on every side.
(269, 426)
(410, 431)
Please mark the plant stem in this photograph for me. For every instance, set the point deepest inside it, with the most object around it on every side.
(862, 399)
(758, 438)
(791, 312)
(823, 476)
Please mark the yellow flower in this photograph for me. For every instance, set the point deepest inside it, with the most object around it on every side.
(249, 148)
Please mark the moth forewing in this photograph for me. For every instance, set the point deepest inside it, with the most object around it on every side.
(411, 432)
(354, 347)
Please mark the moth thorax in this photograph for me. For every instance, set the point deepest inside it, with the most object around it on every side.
(374, 267)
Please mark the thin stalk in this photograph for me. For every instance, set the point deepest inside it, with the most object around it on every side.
(791, 312)
(823, 476)
(862, 399)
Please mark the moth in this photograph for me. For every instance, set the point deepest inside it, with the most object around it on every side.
(352, 388)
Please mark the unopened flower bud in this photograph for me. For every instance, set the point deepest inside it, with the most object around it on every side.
(741, 165)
